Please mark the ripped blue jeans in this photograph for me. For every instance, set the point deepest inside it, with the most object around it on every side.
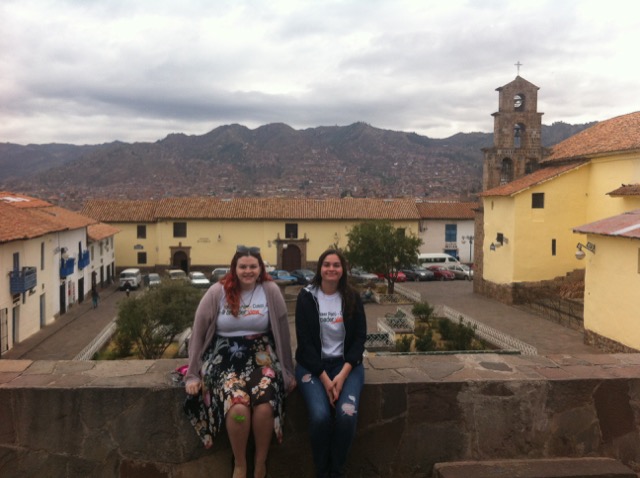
(331, 430)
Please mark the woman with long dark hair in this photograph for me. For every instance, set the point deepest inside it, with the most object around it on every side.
(331, 329)
(240, 363)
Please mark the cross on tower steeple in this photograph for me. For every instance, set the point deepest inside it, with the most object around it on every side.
(518, 65)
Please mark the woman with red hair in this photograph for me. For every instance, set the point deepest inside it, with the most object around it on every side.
(240, 361)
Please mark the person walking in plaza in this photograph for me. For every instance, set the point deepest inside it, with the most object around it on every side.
(240, 361)
(95, 297)
(331, 330)
(127, 288)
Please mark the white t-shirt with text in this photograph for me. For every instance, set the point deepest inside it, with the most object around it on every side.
(332, 331)
(253, 317)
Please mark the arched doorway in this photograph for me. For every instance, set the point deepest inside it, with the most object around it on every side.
(180, 260)
(291, 257)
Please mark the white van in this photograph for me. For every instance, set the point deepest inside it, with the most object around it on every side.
(132, 276)
(437, 258)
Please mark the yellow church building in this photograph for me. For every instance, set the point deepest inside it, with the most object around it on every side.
(202, 232)
(545, 224)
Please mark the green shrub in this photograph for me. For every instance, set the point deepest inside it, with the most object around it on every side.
(422, 311)
(122, 344)
(403, 344)
(425, 342)
(150, 322)
(462, 336)
(445, 327)
(421, 330)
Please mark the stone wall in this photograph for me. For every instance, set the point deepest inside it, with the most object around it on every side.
(478, 251)
(124, 418)
(500, 292)
(606, 344)
(549, 298)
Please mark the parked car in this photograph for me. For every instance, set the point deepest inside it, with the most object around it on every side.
(132, 276)
(462, 271)
(398, 276)
(176, 274)
(152, 279)
(218, 273)
(282, 275)
(417, 273)
(361, 275)
(304, 276)
(199, 280)
(442, 273)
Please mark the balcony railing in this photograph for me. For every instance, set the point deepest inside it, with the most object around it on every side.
(23, 280)
(66, 267)
(84, 259)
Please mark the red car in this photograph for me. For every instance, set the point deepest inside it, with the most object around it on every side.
(441, 273)
(399, 276)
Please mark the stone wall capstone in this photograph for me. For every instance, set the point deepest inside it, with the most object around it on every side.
(124, 418)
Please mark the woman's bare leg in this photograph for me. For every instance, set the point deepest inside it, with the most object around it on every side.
(238, 422)
(262, 421)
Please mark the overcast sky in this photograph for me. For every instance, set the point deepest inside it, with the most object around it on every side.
(95, 71)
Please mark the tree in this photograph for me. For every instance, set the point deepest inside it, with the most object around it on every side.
(152, 320)
(379, 247)
(423, 312)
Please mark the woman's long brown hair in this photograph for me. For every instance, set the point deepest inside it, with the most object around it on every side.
(346, 291)
(231, 283)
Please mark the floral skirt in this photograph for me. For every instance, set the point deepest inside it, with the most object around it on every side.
(236, 370)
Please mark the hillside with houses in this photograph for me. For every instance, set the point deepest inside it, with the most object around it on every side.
(274, 160)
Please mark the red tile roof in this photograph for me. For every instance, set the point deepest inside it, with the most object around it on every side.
(447, 209)
(65, 218)
(19, 224)
(99, 231)
(626, 190)
(525, 182)
(616, 135)
(21, 201)
(251, 209)
(24, 217)
(625, 225)
(113, 210)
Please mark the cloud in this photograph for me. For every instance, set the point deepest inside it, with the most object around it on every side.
(97, 71)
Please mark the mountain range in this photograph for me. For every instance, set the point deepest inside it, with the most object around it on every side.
(274, 160)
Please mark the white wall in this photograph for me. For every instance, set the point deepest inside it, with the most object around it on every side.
(433, 237)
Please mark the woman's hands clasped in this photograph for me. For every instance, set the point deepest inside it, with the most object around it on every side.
(193, 387)
(334, 387)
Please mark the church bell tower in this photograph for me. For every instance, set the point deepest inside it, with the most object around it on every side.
(517, 149)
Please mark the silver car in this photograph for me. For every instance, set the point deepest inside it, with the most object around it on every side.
(461, 271)
(360, 275)
(153, 279)
(177, 274)
(218, 273)
(199, 280)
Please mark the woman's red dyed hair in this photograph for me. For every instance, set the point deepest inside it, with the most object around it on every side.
(231, 283)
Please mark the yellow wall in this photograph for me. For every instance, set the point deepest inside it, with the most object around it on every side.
(565, 204)
(323, 234)
(608, 174)
(612, 283)
(527, 257)
(213, 243)
(125, 241)
(498, 217)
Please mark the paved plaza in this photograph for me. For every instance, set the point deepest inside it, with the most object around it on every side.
(69, 334)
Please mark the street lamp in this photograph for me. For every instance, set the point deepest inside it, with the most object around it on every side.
(470, 239)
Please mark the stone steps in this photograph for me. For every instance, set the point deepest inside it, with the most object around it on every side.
(535, 468)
